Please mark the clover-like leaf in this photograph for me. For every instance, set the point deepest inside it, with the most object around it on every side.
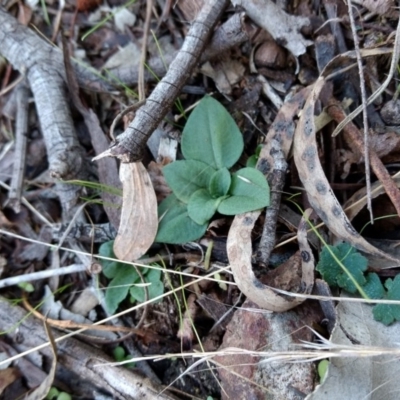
(155, 289)
(175, 225)
(184, 177)
(351, 259)
(110, 268)
(211, 135)
(249, 191)
(119, 286)
(220, 183)
(389, 313)
(373, 287)
(202, 206)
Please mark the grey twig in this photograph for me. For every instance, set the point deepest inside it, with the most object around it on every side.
(34, 276)
(130, 145)
(21, 129)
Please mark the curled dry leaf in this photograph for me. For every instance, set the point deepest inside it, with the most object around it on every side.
(139, 219)
(316, 184)
(239, 248)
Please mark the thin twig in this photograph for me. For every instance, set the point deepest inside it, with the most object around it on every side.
(34, 276)
(146, 29)
(21, 131)
(364, 107)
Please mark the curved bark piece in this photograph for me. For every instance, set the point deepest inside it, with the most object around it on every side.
(316, 184)
(139, 220)
(239, 248)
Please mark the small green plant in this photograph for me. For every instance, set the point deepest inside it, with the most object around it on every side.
(55, 394)
(353, 275)
(124, 280)
(120, 355)
(202, 184)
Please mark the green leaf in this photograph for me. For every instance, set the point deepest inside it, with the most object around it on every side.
(110, 268)
(374, 288)
(155, 289)
(119, 353)
(333, 273)
(184, 177)
(118, 288)
(252, 161)
(202, 206)
(211, 135)
(388, 313)
(220, 183)
(249, 191)
(175, 225)
(323, 369)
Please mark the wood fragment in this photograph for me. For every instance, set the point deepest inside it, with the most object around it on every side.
(84, 361)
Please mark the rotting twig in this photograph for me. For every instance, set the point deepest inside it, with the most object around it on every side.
(276, 180)
(336, 112)
(130, 145)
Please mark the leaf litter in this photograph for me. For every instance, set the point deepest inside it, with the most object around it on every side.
(273, 103)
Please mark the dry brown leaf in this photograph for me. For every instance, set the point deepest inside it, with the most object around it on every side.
(139, 220)
(316, 184)
(7, 377)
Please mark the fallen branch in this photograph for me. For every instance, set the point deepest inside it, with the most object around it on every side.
(130, 145)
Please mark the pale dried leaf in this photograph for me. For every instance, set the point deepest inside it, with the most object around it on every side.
(377, 6)
(358, 377)
(316, 184)
(284, 28)
(139, 220)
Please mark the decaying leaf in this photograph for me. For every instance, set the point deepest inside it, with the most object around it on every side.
(316, 184)
(356, 374)
(139, 220)
(239, 249)
(284, 28)
(7, 377)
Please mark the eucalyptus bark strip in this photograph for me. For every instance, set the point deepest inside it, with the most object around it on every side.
(130, 145)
